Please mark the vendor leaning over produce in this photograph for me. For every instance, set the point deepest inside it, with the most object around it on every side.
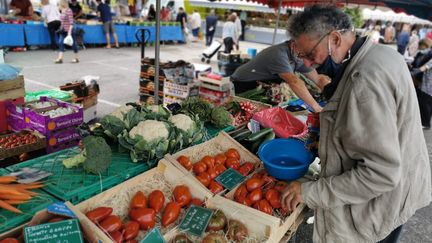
(375, 165)
(276, 64)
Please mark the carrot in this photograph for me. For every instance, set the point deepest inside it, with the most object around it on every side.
(9, 207)
(9, 190)
(15, 202)
(27, 186)
(15, 197)
(31, 193)
(7, 179)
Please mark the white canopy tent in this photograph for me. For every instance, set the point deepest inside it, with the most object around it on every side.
(390, 15)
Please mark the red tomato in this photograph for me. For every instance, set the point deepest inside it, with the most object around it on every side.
(232, 163)
(146, 217)
(98, 214)
(131, 241)
(254, 183)
(244, 200)
(171, 213)
(220, 159)
(220, 169)
(212, 172)
(199, 167)
(156, 200)
(246, 168)
(116, 236)
(204, 178)
(255, 195)
(139, 200)
(264, 206)
(241, 192)
(197, 202)
(130, 230)
(280, 186)
(111, 223)
(9, 240)
(273, 197)
(232, 153)
(182, 195)
(215, 187)
(208, 160)
(185, 162)
(257, 176)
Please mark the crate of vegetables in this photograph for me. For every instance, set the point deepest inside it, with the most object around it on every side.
(157, 198)
(58, 115)
(20, 142)
(19, 202)
(205, 162)
(243, 109)
(260, 195)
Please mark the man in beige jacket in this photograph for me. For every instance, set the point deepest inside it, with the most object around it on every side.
(375, 166)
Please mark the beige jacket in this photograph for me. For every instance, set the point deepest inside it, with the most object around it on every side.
(375, 164)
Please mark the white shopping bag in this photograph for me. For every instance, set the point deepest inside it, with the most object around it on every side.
(68, 40)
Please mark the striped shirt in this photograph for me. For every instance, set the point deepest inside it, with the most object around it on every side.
(66, 19)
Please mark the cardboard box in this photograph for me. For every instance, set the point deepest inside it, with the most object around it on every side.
(3, 112)
(12, 89)
(181, 91)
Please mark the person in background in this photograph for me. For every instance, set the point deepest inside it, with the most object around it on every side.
(389, 33)
(229, 33)
(151, 15)
(367, 188)
(51, 15)
(238, 25)
(104, 12)
(182, 19)
(22, 8)
(243, 19)
(403, 39)
(67, 21)
(374, 35)
(277, 64)
(413, 43)
(195, 22)
(76, 9)
(164, 14)
(211, 23)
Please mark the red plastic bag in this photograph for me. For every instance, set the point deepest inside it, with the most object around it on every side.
(284, 124)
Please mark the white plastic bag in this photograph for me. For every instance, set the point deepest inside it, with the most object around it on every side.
(68, 40)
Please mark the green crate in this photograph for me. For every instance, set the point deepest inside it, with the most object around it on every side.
(75, 185)
(9, 220)
(213, 131)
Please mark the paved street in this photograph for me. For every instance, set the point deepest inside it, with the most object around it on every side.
(119, 73)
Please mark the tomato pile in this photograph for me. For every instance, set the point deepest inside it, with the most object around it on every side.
(208, 168)
(16, 140)
(143, 213)
(262, 192)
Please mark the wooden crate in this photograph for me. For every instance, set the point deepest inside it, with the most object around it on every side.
(119, 196)
(12, 89)
(39, 144)
(217, 145)
(282, 226)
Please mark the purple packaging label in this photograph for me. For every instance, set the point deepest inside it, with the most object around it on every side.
(14, 111)
(16, 124)
(62, 136)
(46, 124)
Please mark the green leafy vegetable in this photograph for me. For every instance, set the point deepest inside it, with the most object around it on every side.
(198, 106)
(220, 117)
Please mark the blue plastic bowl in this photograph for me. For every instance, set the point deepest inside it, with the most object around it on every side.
(285, 159)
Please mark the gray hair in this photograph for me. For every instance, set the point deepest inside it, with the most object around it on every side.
(319, 20)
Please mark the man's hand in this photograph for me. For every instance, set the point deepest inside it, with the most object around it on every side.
(291, 196)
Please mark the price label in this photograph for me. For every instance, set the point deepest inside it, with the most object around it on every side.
(196, 220)
(153, 236)
(60, 208)
(67, 231)
(254, 126)
(230, 178)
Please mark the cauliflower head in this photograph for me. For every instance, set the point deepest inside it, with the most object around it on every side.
(182, 121)
(120, 111)
(150, 130)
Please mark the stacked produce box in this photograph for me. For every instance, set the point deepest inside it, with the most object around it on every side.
(215, 88)
(84, 95)
(180, 83)
(228, 63)
(55, 119)
(10, 91)
(146, 82)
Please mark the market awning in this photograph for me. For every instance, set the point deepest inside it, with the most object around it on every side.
(235, 5)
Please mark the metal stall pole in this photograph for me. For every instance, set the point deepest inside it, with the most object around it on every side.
(157, 52)
(277, 22)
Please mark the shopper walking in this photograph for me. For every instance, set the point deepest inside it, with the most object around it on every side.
(151, 15)
(229, 33)
(375, 166)
(51, 15)
(211, 23)
(182, 19)
(389, 33)
(238, 25)
(66, 30)
(243, 19)
(403, 39)
(195, 22)
(413, 43)
(104, 12)
(76, 9)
